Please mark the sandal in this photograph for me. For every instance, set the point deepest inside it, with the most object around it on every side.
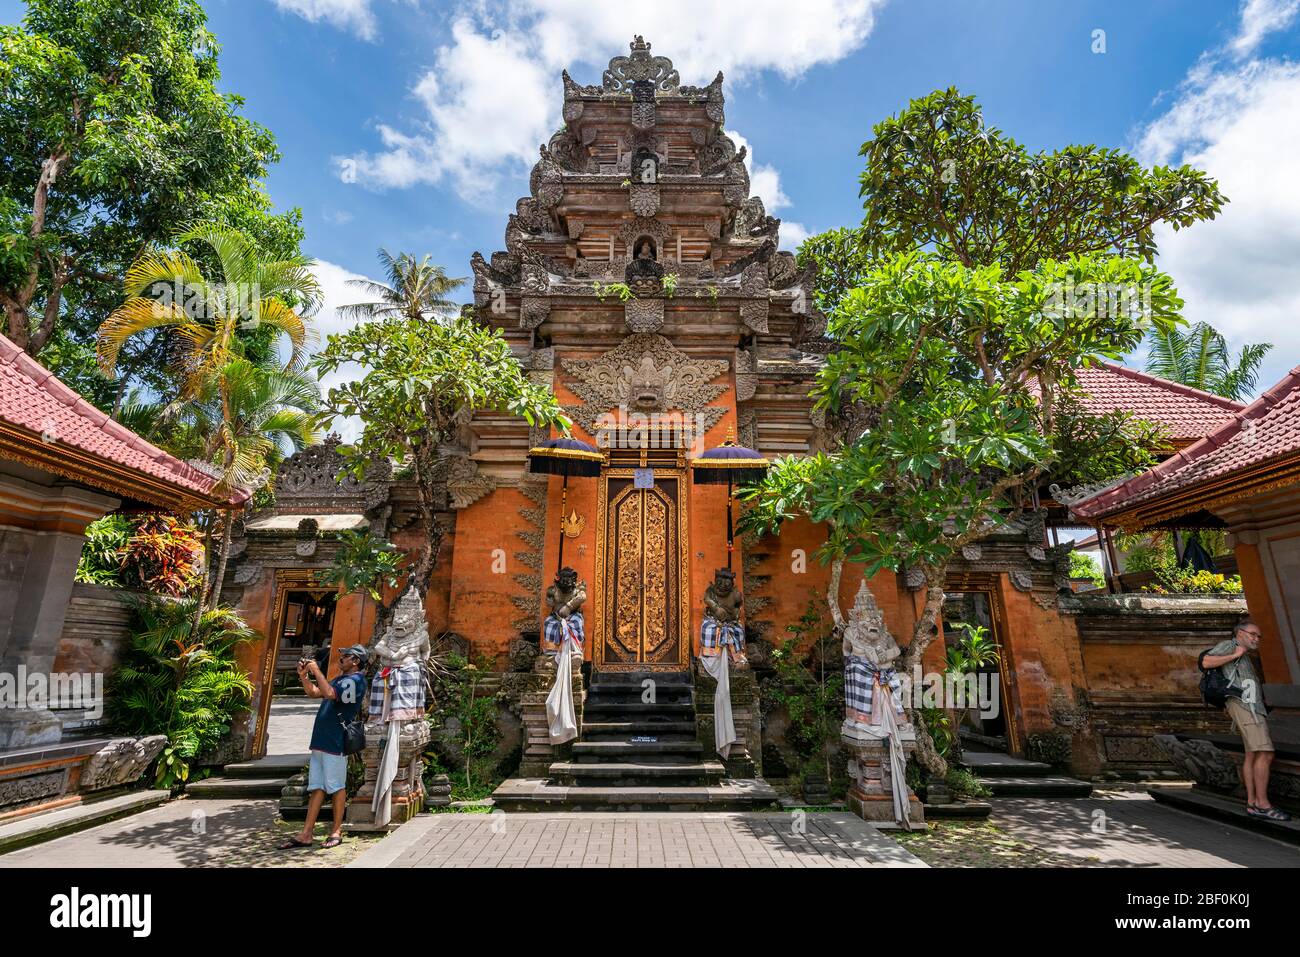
(332, 842)
(292, 844)
(1269, 813)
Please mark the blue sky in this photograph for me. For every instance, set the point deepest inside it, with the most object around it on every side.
(412, 124)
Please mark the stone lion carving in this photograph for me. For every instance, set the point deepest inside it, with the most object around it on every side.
(121, 762)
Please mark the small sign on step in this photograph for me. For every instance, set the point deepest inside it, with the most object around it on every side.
(644, 739)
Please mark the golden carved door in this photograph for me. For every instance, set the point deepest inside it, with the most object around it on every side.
(641, 574)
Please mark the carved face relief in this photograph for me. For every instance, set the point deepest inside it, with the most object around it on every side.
(566, 580)
(645, 386)
(723, 582)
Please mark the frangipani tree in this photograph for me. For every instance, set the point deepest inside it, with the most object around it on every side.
(418, 382)
(945, 391)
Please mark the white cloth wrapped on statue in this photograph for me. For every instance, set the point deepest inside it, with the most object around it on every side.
(397, 694)
(561, 718)
(716, 635)
(553, 629)
(718, 667)
(861, 678)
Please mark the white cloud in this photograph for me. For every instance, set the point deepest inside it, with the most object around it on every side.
(336, 293)
(792, 234)
(1259, 18)
(492, 94)
(354, 16)
(1240, 122)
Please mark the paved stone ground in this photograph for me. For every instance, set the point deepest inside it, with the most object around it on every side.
(638, 840)
(1113, 828)
(289, 729)
(189, 833)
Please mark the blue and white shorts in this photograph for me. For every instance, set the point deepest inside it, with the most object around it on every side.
(327, 772)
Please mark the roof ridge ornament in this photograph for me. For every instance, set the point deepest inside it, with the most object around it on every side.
(639, 67)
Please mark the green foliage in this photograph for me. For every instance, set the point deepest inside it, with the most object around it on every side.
(940, 728)
(620, 289)
(669, 283)
(1085, 566)
(811, 693)
(363, 562)
(119, 106)
(180, 681)
(419, 379)
(938, 177)
(1199, 357)
(1184, 581)
(945, 386)
(465, 730)
(964, 782)
(153, 552)
(975, 649)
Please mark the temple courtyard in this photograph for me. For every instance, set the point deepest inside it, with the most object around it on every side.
(1114, 828)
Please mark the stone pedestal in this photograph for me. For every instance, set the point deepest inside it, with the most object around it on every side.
(539, 754)
(408, 786)
(746, 760)
(871, 794)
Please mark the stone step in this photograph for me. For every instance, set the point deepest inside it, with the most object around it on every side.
(633, 695)
(637, 708)
(271, 766)
(636, 773)
(1038, 786)
(621, 749)
(635, 678)
(593, 730)
(47, 825)
(533, 794)
(988, 764)
(1230, 810)
(238, 788)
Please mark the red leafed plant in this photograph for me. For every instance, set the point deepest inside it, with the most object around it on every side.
(163, 555)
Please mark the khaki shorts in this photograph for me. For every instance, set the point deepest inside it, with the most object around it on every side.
(1252, 727)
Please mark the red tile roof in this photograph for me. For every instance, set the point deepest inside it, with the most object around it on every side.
(1264, 435)
(1185, 414)
(46, 424)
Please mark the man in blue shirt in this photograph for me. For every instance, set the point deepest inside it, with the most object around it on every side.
(327, 774)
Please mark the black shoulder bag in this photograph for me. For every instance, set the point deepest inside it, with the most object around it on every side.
(1214, 684)
(354, 732)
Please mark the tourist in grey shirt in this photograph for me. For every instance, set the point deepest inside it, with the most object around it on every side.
(1245, 705)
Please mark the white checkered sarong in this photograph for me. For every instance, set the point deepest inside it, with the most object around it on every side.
(716, 635)
(405, 689)
(553, 631)
(860, 679)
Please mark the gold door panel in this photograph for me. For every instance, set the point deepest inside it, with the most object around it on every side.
(642, 613)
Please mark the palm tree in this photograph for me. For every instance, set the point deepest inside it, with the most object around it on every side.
(417, 290)
(168, 289)
(233, 404)
(244, 418)
(1199, 357)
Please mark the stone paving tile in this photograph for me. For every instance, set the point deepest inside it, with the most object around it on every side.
(710, 839)
(189, 833)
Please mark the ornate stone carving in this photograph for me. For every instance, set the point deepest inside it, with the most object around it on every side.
(644, 373)
(644, 315)
(546, 182)
(121, 761)
(643, 198)
(972, 553)
(640, 66)
(311, 477)
(1022, 581)
(915, 579)
(533, 311)
(754, 315)
(31, 788)
(1201, 761)
(465, 484)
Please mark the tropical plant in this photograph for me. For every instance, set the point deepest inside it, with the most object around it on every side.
(180, 681)
(363, 562)
(114, 127)
(669, 283)
(415, 289)
(811, 692)
(620, 289)
(980, 280)
(419, 380)
(154, 552)
(1083, 565)
(1184, 581)
(464, 727)
(1199, 357)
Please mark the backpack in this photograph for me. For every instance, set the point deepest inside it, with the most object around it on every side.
(1214, 683)
(354, 733)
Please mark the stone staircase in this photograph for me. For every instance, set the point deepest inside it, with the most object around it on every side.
(1009, 776)
(636, 755)
(263, 778)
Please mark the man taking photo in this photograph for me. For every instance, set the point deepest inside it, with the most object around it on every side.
(1245, 705)
(327, 774)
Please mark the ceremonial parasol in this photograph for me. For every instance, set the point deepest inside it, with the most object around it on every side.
(729, 463)
(565, 457)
